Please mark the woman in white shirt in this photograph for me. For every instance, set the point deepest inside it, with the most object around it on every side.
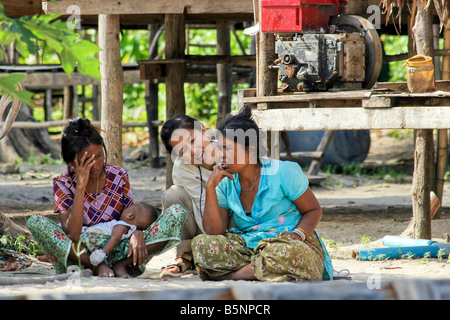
(194, 156)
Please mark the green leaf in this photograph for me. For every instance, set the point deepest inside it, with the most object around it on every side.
(68, 61)
(8, 87)
(85, 48)
(90, 67)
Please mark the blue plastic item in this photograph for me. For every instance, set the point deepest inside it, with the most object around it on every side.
(398, 253)
(396, 241)
(401, 247)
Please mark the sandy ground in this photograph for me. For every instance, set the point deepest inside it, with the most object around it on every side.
(358, 212)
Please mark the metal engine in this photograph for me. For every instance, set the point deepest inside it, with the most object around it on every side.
(315, 62)
(319, 47)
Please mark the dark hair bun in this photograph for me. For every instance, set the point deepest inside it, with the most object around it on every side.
(245, 113)
(77, 136)
(80, 125)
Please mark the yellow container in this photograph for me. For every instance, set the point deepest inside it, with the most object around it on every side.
(420, 74)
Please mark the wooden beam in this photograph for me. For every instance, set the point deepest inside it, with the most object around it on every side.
(54, 80)
(441, 85)
(112, 86)
(89, 7)
(59, 123)
(245, 60)
(19, 8)
(353, 118)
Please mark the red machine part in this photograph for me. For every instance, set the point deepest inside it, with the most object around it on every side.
(279, 16)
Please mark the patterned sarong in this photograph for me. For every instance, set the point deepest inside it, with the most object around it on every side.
(56, 244)
(274, 259)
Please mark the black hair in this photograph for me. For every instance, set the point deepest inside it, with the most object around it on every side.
(177, 122)
(148, 207)
(77, 136)
(243, 120)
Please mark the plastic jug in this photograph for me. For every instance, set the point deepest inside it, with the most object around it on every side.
(420, 74)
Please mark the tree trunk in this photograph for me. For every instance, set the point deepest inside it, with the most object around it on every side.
(423, 155)
(23, 143)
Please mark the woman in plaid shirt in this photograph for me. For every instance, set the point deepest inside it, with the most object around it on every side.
(91, 191)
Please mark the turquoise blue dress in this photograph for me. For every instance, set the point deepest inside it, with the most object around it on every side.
(273, 210)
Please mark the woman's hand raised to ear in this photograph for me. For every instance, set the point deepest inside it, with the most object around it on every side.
(83, 168)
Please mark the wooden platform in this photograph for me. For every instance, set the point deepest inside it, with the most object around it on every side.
(387, 107)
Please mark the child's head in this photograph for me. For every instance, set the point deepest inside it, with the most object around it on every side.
(140, 214)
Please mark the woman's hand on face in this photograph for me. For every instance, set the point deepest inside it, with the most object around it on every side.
(83, 168)
(137, 248)
(217, 175)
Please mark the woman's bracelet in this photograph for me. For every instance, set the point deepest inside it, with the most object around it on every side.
(300, 232)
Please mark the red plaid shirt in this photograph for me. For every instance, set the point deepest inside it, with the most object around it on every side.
(111, 201)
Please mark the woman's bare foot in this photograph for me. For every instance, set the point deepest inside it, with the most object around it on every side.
(43, 258)
(245, 273)
(120, 269)
(103, 270)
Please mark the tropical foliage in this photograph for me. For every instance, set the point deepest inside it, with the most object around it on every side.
(42, 37)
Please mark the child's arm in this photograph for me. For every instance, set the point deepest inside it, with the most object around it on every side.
(99, 255)
(116, 235)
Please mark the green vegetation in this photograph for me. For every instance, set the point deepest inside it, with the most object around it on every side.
(20, 244)
(44, 39)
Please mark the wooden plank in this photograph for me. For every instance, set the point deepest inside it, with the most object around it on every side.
(54, 80)
(58, 123)
(306, 96)
(303, 154)
(92, 7)
(355, 98)
(322, 148)
(244, 60)
(353, 118)
(441, 85)
(18, 8)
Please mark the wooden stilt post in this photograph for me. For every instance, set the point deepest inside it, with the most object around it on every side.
(441, 158)
(151, 104)
(68, 102)
(175, 74)
(423, 155)
(224, 74)
(112, 86)
(266, 79)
